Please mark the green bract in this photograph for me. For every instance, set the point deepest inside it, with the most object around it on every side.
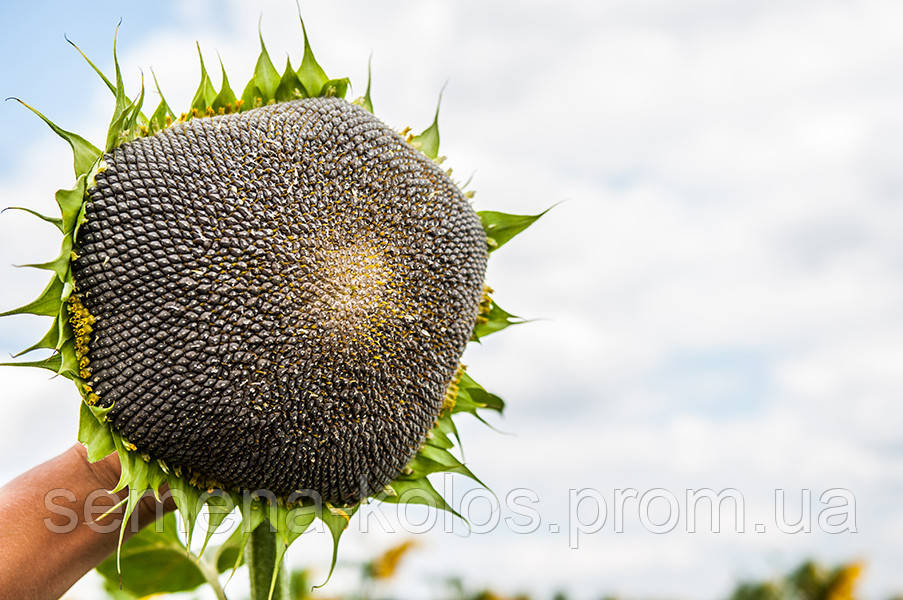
(289, 515)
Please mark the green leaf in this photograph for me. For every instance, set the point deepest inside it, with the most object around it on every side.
(449, 462)
(135, 117)
(252, 515)
(188, 500)
(156, 477)
(290, 523)
(94, 434)
(126, 118)
(421, 467)
(446, 425)
(47, 304)
(265, 81)
(484, 399)
(68, 288)
(158, 119)
(336, 88)
(80, 219)
(219, 505)
(154, 561)
(68, 360)
(290, 87)
(84, 153)
(310, 73)
(59, 265)
(418, 491)
(206, 93)
(108, 83)
(230, 554)
(62, 324)
(440, 456)
(436, 458)
(125, 459)
(137, 483)
(117, 123)
(501, 227)
(54, 220)
(226, 98)
(251, 97)
(365, 99)
(49, 341)
(438, 437)
(336, 519)
(497, 319)
(471, 399)
(428, 141)
(134, 475)
(471, 391)
(51, 363)
(467, 382)
(70, 203)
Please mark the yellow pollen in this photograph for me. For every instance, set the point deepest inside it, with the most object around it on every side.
(451, 394)
(82, 323)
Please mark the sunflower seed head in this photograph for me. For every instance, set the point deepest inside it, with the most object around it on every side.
(280, 297)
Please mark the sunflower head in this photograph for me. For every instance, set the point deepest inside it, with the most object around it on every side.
(268, 297)
(279, 297)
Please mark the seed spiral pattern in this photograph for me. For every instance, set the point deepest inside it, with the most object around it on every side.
(280, 297)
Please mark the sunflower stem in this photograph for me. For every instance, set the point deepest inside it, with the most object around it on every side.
(212, 577)
(261, 555)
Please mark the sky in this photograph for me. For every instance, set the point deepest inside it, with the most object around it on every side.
(718, 297)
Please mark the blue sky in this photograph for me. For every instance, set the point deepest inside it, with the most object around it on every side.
(39, 63)
(719, 293)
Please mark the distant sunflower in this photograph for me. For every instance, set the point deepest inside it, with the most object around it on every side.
(268, 296)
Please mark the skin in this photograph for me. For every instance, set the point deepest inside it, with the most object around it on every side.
(38, 563)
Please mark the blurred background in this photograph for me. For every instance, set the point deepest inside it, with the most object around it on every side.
(719, 297)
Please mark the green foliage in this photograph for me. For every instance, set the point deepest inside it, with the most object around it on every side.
(205, 95)
(299, 584)
(225, 99)
(310, 73)
(501, 227)
(93, 432)
(809, 581)
(262, 86)
(84, 153)
(428, 140)
(156, 561)
(163, 112)
(496, 320)
(290, 87)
